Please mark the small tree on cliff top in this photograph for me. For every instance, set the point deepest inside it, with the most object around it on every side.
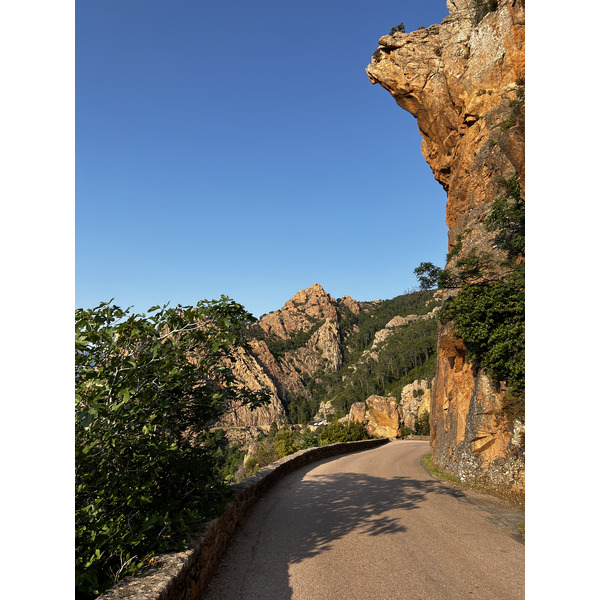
(146, 387)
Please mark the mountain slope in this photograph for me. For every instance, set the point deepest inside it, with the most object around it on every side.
(317, 349)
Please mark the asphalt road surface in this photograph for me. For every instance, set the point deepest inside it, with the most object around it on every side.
(373, 524)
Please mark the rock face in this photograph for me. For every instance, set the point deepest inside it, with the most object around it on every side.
(469, 433)
(247, 370)
(463, 80)
(284, 376)
(322, 351)
(415, 400)
(300, 313)
(384, 417)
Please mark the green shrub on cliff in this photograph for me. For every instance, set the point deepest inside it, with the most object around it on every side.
(489, 313)
(147, 387)
(422, 424)
(489, 310)
(398, 29)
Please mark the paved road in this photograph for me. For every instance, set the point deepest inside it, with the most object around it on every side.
(373, 524)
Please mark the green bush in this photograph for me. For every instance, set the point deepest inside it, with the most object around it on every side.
(422, 424)
(285, 442)
(404, 431)
(342, 432)
(147, 386)
(398, 29)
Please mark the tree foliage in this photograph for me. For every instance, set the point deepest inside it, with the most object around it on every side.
(147, 387)
(342, 432)
(428, 275)
(422, 423)
(489, 310)
(398, 29)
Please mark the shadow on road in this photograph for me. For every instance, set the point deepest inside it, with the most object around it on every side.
(329, 507)
(307, 518)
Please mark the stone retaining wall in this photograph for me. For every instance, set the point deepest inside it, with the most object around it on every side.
(183, 575)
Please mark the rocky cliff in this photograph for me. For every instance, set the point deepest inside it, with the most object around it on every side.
(317, 355)
(306, 336)
(463, 80)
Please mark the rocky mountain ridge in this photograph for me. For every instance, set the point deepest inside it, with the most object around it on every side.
(293, 349)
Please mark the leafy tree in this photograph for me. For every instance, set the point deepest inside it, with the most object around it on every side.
(309, 439)
(285, 442)
(428, 275)
(147, 387)
(273, 430)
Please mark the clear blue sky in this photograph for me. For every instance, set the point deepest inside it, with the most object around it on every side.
(239, 148)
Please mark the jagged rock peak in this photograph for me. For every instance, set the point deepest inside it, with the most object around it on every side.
(300, 313)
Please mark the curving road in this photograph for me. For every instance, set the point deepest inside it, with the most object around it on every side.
(373, 524)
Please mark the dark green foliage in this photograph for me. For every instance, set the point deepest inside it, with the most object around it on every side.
(408, 354)
(278, 347)
(301, 410)
(428, 275)
(147, 387)
(416, 303)
(273, 430)
(285, 442)
(422, 424)
(508, 219)
(342, 432)
(425, 371)
(489, 311)
(227, 457)
(309, 439)
(398, 29)
(404, 431)
(481, 8)
(491, 320)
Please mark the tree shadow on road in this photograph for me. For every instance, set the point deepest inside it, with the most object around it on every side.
(300, 519)
(328, 507)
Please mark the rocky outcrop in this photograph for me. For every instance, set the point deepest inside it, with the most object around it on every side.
(464, 84)
(306, 308)
(248, 372)
(414, 401)
(463, 80)
(285, 375)
(470, 434)
(383, 417)
(326, 411)
(358, 412)
(323, 351)
(285, 378)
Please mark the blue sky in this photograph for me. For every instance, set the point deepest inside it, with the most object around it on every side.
(239, 148)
